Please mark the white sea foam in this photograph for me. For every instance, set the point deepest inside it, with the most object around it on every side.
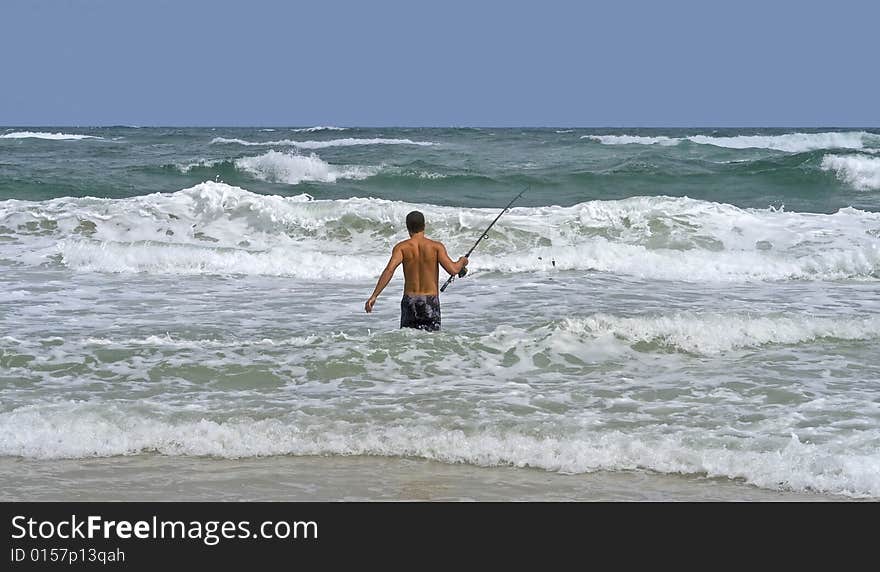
(860, 171)
(169, 341)
(348, 142)
(214, 227)
(704, 333)
(714, 333)
(792, 142)
(82, 430)
(236, 141)
(319, 128)
(404, 172)
(187, 259)
(632, 139)
(292, 169)
(788, 142)
(202, 163)
(40, 135)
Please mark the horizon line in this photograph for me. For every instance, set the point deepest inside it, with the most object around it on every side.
(350, 126)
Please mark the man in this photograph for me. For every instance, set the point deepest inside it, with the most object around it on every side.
(420, 307)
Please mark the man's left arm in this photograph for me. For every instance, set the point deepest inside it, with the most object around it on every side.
(385, 278)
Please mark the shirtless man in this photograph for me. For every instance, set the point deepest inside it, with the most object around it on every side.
(420, 307)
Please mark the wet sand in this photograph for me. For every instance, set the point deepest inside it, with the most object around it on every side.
(355, 478)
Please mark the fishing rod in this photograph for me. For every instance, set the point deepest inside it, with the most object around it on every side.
(485, 234)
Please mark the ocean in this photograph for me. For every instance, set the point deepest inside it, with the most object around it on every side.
(666, 314)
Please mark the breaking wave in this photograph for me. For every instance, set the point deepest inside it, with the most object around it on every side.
(788, 142)
(348, 142)
(292, 169)
(217, 228)
(860, 171)
(83, 430)
(51, 136)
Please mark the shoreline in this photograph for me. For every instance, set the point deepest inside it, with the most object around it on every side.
(355, 479)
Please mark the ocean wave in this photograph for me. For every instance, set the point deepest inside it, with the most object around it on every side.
(217, 228)
(200, 164)
(715, 333)
(412, 173)
(86, 430)
(167, 340)
(308, 263)
(632, 140)
(319, 128)
(692, 332)
(292, 169)
(860, 171)
(348, 142)
(792, 142)
(788, 142)
(51, 136)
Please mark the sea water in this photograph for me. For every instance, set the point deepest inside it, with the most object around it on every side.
(683, 302)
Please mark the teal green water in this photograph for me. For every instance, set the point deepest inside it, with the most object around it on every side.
(464, 167)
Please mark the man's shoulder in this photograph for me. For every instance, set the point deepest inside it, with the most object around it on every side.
(428, 241)
(403, 247)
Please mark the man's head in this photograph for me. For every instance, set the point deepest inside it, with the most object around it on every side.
(415, 222)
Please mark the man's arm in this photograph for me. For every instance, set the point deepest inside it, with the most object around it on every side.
(385, 278)
(447, 263)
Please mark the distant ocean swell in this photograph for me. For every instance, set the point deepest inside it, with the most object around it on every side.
(789, 142)
(348, 142)
(43, 135)
(852, 157)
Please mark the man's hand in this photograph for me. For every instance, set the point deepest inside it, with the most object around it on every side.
(463, 261)
(369, 305)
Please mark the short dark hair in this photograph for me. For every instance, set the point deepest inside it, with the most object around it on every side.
(415, 222)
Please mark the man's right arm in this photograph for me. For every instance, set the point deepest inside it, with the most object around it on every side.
(385, 277)
(447, 263)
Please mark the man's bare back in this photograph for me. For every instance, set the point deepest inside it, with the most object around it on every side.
(421, 271)
(421, 258)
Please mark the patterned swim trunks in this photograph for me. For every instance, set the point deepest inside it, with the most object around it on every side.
(420, 312)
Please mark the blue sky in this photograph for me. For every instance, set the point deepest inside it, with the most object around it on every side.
(441, 63)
